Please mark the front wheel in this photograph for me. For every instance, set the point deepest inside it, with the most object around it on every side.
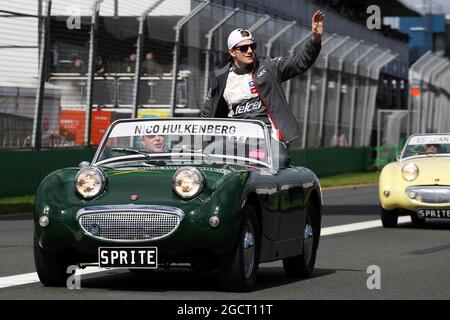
(238, 268)
(389, 218)
(51, 267)
(302, 266)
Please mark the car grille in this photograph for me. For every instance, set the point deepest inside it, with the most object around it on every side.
(430, 194)
(131, 225)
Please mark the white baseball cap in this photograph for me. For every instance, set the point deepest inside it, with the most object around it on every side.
(237, 36)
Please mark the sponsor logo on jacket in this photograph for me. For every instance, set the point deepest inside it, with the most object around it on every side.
(250, 106)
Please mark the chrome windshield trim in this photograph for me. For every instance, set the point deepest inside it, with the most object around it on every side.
(427, 156)
(263, 126)
(209, 157)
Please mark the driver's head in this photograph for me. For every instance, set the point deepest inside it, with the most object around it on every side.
(153, 143)
(433, 148)
(241, 48)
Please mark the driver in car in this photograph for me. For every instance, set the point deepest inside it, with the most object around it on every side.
(433, 148)
(153, 143)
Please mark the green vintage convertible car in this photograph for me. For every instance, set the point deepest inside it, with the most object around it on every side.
(218, 194)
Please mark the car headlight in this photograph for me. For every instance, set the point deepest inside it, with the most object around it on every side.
(410, 172)
(89, 182)
(187, 182)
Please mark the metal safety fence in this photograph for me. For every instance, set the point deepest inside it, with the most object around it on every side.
(95, 61)
(429, 103)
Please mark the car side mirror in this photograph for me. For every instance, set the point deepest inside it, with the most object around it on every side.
(84, 164)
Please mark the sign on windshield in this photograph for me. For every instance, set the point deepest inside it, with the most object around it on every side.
(192, 127)
(205, 140)
(423, 145)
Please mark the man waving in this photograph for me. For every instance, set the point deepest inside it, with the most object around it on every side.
(249, 87)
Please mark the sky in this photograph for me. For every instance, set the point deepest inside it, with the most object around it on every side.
(438, 6)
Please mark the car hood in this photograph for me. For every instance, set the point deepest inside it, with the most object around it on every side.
(153, 184)
(432, 170)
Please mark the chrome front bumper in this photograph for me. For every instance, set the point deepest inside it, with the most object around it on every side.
(429, 194)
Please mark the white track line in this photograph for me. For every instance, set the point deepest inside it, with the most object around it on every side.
(18, 280)
(28, 278)
(358, 226)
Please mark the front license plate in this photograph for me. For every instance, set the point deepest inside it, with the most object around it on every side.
(129, 258)
(434, 213)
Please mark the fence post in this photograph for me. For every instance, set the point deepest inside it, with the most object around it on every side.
(43, 64)
(259, 23)
(307, 107)
(276, 36)
(209, 36)
(338, 87)
(380, 62)
(139, 45)
(176, 53)
(291, 52)
(437, 78)
(430, 95)
(353, 96)
(91, 71)
(421, 98)
(411, 80)
(324, 88)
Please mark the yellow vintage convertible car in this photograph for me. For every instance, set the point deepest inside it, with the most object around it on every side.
(418, 183)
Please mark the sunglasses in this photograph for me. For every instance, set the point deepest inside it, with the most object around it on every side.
(244, 48)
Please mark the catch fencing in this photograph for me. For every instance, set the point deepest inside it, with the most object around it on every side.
(93, 62)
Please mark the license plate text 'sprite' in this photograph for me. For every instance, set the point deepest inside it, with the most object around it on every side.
(137, 257)
(434, 213)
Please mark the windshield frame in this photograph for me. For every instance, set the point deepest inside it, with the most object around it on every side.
(425, 155)
(267, 138)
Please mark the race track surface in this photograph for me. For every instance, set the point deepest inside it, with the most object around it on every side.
(413, 263)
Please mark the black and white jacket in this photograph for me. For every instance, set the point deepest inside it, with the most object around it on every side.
(268, 75)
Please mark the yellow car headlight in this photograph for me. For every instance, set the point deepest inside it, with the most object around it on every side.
(89, 182)
(188, 182)
(410, 171)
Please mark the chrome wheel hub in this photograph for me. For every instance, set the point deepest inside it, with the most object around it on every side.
(248, 245)
(308, 242)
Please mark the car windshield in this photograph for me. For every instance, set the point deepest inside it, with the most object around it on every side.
(186, 140)
(427, 145)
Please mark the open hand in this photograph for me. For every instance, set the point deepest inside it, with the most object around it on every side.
(317, 25)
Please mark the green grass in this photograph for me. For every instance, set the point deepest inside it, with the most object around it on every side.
(16, 204)
(350, 179)
(25, 203)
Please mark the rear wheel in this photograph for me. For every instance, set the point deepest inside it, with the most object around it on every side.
(389, 218)
(51, 267)
(302, 266)
(238, 268)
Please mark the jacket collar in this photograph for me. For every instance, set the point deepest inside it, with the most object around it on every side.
(225, 69)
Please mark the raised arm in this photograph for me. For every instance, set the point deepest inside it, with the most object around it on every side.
(302, 59)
